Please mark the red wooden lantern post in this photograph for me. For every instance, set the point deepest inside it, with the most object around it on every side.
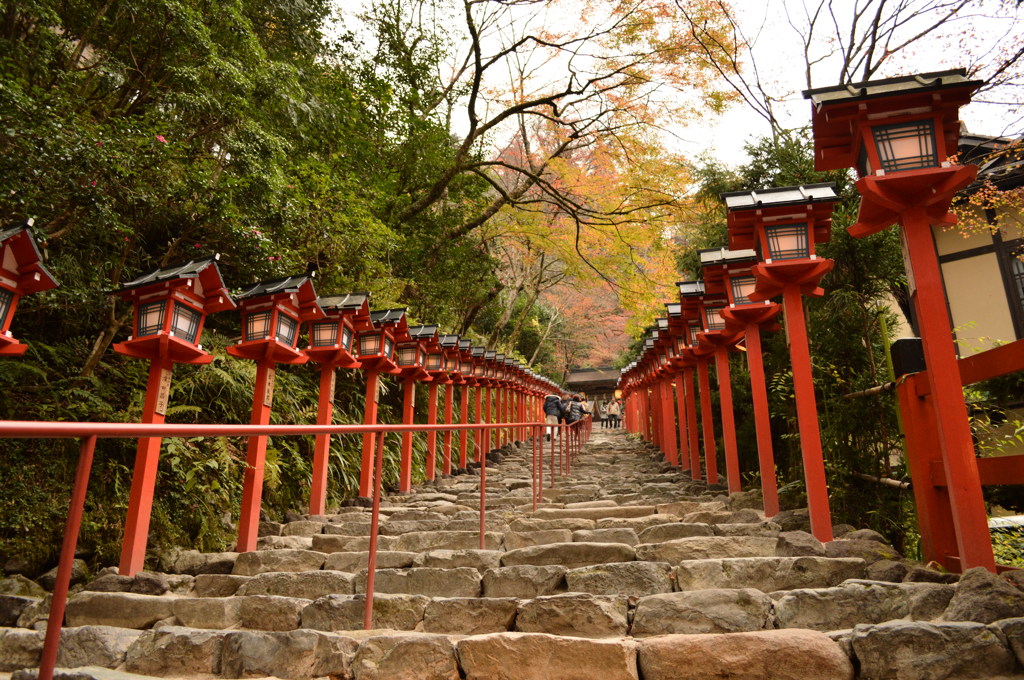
(21, 273)
(170, 308)
(677, 365)
(437, 366)
(664, 355)
(691, 294)
(898, 133)
(412, 351)
(480, 382)
(466, 369)
(453, 365)
(376, 347)
(330, 345)
(271, 314)
(785, 223)
(733, 268)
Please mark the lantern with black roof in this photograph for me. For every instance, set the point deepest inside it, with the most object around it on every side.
(450, 348)
(376, 339)
(411, 346)
(170, 306)
(731, 270)
(466, 369)
(900, 133)
(752, 215)
(272, 312)
(480, 381)
(21, 273)
(330, 345)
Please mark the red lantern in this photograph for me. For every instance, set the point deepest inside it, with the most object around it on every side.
(21, 273)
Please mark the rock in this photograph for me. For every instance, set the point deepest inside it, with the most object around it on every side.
(715, 610)
(309, 585)
(887, 570)
(193, 562)
(983, 597)
(36, 614)
(903, 650)
(926, 575)
(296, 654)
(481, 560)
(678, 508)
(154, 583)
(421, 541)
(470, 615)
(270, 612)
(262, 561)
(618, 535)
(774, 654)
(303, 528)
(12, 607)
(766, 574)
(524, 539)
(215, 613)
(218, 585)
(103, 646)
(111, 583)
(173, 651)
(859, 602)
(574, 614)
(342, 612)
(429, 581)
(865, 535)
(533, 524)
(353, 562)
(406, 657)
(124, 610)
(797, 544)
(1013, 630)
(532, 656)
(269, 529)
(79, 574)
(669, 532)
(398, 527)
(633, 579)
(524, 581)
(596, 513)
(869, 551)
(19, 648)
(569, 555)
(706, 547)
(284, 543)
(758, 529)
(352, 530)
(21, 586)
(794, 520)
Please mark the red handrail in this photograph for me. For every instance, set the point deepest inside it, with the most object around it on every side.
(89, 432)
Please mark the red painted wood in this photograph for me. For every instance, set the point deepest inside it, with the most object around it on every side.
(478, 436)
(147, 459)
(807, 414)
(369, 418)
(684, 441)
(446, 446)
(707, 420)
(322, 442)
(408, 417)
(691, 423)
(732, 458)
(431, 464)
(255, 458)
(762, 421)
(463, 418)
(668, 420)
(994, 362)
(969, 516)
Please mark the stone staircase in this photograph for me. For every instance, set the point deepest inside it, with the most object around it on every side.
(628, 570)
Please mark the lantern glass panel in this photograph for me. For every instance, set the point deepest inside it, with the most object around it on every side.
(906, 146)
(742, 287)
(346, 338)
(408, 355)
(451, 364)
(713, 320)
(662, 359)
(672, 350)
(388, 346)
(434, 362)
(151, 318)
(257, 326)
(478, 370)
(6, 300)
(787, 241)
(369, 344)
(693, 336)
(466, 367)
(287, 329)
(324, 333)
(185, 323)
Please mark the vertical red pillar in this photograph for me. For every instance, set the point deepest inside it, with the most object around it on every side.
(369, 418)
(431, 470)
(147, 460)
(707, 420)
(807, 414)
(668, 421)
(691, 423)
(408, 416)
(958, 456)
(762, 420)
(684, 442)
(489, 417)
(322, 442)
(732, 459)
(478, 437)
(463, 419)
(255, 457)
(449, 398)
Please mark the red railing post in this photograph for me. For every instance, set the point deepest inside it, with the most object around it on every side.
(371, 561)
(478, 435)
(691, 424)
(684, 435)
(707, 420)
(535, 467)
(369, 418)
(59, 601)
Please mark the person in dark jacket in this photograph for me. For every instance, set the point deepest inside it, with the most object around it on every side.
(576, 410)
(553, 412)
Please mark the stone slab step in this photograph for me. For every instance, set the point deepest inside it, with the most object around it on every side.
(596, 513)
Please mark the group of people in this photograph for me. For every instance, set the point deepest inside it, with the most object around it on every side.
(609, 413)
(573, 407)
